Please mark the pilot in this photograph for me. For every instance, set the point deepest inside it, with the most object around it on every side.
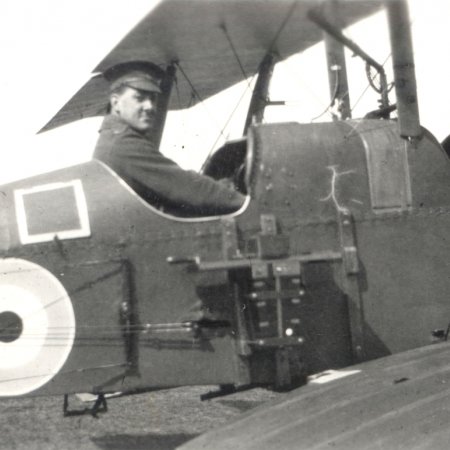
(127, 146)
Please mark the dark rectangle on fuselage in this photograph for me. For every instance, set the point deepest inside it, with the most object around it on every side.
(51, 210)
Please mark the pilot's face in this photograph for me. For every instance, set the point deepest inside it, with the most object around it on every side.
(137, 108)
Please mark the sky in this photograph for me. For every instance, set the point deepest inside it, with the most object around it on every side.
(49, 48)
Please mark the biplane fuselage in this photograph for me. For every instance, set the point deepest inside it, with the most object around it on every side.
(339, 257)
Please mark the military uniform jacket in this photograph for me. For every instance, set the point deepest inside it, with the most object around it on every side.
(158, 179)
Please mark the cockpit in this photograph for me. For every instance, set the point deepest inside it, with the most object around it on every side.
(233, 161)
(231, 166)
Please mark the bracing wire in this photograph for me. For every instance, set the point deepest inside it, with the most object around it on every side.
(195, 93)
(369, 84)
(333, 99)
(193, 90)
(65, 372)
(283, 25)
(244, 74)
(233, 49)
(367, 87)
(177, 89)
(241, 98)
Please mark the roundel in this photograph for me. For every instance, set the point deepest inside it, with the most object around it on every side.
(37, 326)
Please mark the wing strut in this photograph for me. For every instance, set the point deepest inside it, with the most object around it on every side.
(337, 34)
(337, 69)
(404, 74)
(163, 102)
(260, 93)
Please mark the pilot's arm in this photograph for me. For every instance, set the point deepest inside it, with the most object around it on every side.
(161, 181)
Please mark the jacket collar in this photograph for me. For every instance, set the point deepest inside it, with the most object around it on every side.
(117, 125)
(114, 124)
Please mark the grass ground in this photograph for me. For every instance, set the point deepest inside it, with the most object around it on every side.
(160, 420)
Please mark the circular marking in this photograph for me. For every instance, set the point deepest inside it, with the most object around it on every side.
(11, 326)
(37, 326)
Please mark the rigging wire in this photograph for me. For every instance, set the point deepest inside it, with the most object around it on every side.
(233, 49)
(193, 90)
(371, 78)
(369, 84)
(246, 78)
(298, 78)
(356, 126)
(65, 372)
(333, 99)
(196, 94)
(226, 123)
(177, 89)
(283, 25)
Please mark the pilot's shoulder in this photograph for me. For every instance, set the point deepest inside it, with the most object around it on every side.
(113, 125)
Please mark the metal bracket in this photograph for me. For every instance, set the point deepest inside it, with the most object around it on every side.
(229, 238)
(260, 269)
(268, 224)
(283, 269)
(287, 268)
(350, 281)
(100, 406)
(283, 378)
(268, 244)
(128, 319)
(276, 342)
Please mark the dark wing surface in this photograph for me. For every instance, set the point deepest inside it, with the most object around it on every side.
(203, 38)
(396, 402)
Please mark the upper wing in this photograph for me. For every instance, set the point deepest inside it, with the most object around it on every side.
(204, 37)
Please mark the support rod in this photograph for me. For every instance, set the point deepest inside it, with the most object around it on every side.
(163, 102)
(404, 70)
(337, 34)
(337, 69)
(319, 20)
(260, 92)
